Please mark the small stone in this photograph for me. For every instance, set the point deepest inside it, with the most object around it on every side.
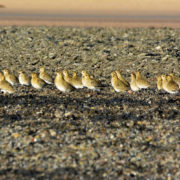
(15, 135)
(130, 123)
(69, 113)
(130, 92)
(140, 122)
(35, 139)
(58, 113)
(165, 58)
(44, 134)
(52, 55)
(158, 48)
(52, 132)
(149, 138)
(171, 139)
(30, 38)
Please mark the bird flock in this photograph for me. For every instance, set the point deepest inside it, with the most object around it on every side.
(66, 83)
(169, 83)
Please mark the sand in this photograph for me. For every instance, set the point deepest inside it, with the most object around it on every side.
(122, 13)
(94, 6)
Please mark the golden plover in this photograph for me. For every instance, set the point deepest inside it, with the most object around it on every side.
(90, 82)
(76, 81)
(176, 79)
(164, 82)
(67, 78)
(23, 79)
(37, 82)
(159, 82)
(169, 85)
(5, 86)
(133, 84)
(141, 81)
(45, 76)
(61, 84)
(10, 77)
(121, 78)
(117, 84)
(1, 76)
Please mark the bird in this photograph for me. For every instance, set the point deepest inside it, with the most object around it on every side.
(117, 84)
(176, 79)
(121, 78)
(90, 82)
(133, 83)
(5, 86)
(67, 78)
(23, 79)
(61, 84)
(45, 76)
(37, 82)
(169, 85)
(164, 82)
(141, 81)
(10, 77)
(1, 76)
(76, 81)
(159, 82)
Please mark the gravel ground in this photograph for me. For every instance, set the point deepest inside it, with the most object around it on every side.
(83, 135)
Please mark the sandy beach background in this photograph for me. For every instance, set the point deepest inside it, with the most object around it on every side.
(129, 13)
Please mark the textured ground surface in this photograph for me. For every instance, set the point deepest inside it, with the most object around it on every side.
(83, 135)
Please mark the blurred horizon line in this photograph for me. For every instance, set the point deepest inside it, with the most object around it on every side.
(81, 16)
(89, 19)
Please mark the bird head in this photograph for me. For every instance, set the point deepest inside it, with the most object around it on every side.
(74, 74)
(113, 74)
(84, 73)
(163, 77)
(42, 69)
(5, 71)
(65, 73)
(20, 71)
(1, 76)
(34, 75)
(171, 74)
(118, 72)
(158, 78)
(169, 78)
(138, 74)
(59, 73)
(132, 76)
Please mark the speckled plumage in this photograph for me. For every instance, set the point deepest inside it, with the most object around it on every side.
(133, 83)
(141, 81)
(36, 82)
(117, 84)
(121, 78)
(45, 76)
(169, 85)
(10, 77)
(90, 82)
(23, 79)
(5, 86)
(61, 84)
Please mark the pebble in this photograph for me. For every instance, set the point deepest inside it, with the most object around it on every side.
(52, 132)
